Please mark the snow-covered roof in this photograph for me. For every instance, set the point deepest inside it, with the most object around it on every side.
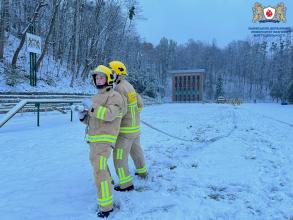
(186, 71)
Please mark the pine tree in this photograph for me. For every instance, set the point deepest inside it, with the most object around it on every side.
(220, 87)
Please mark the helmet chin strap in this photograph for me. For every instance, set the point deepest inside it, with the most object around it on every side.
(106, 85)
(101, 86)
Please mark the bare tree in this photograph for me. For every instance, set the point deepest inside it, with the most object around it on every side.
(52, 24)
(81, 34)
(38, 7)
(76, 42)
(3, 25)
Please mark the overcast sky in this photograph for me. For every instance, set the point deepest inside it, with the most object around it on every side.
(205, 20)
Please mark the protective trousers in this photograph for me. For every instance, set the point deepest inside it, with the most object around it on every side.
(125, 146)
(99, 154)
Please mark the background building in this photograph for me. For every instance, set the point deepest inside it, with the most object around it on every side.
(185, 85)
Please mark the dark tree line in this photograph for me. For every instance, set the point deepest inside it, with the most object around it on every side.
(80, 34)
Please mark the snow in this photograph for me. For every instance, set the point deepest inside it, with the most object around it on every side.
(12, 112)
(52, 75)
(238, 167)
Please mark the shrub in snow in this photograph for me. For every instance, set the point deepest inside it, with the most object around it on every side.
(290, 92)
(277, 91)
(13, 75)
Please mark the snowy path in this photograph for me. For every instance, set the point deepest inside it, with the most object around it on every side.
(239, 167)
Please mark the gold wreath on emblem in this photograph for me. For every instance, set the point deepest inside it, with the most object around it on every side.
(257, 12)
(280, 12)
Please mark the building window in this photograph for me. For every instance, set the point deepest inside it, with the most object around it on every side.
(198, 82)
(187, 87)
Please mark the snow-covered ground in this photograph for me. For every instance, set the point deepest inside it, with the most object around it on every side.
(52, 76)
(239, 166)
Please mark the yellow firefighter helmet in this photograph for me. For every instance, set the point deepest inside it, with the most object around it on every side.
(118, 67)
(104, 70)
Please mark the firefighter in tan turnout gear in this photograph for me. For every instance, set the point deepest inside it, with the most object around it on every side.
(128, 141)
(103, 120)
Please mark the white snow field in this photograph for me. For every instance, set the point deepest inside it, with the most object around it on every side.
(238, 167)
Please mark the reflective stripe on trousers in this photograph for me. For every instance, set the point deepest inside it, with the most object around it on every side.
(103, 163)
(101, 138)
(106, 199)
(141, 170)
(122, 178)
(119, 155)
(129, 130)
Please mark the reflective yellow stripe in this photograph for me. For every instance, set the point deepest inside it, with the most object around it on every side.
(120, 173)
(105, 202)
(119, 115)
(103, 189)
(101, 112)
(106, 199)
(129, 130)
(122, 178)
(125, 180)
(133, 108)
(133, 104)
(101, 138)
(133, 116)
(103, 163)
(119, 154)
(141, 170)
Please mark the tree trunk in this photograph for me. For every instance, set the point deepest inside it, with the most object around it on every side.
(35, 15)
(3, 25)
(2, 34)
(52, 24)
(76, 43)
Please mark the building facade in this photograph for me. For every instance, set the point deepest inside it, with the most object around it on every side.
(185, 85)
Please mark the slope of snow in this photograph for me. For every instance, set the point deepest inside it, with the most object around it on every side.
(238, 167)
(52, 76)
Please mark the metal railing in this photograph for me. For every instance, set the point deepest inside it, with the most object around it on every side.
(37, 103)
(12, 103)
(9, 99)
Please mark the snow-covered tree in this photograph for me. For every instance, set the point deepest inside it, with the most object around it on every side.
(219, 87)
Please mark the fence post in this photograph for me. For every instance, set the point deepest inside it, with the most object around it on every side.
(71, 113)
(38, 114)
